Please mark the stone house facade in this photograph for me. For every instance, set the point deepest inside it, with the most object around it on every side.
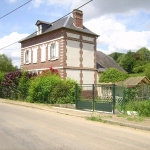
(65, 45)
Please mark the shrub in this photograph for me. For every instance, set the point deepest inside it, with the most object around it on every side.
(24, 83)
(139, 69)
(142, 107)
(113, 75)
(14, 83)
(51, 89)
(1, 80)
(64, 92)
(41, 87)
(10, 83)
(130, 93)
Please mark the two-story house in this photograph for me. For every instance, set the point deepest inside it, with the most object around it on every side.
(65, 45)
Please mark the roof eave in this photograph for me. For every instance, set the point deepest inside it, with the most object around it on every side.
(58, 29)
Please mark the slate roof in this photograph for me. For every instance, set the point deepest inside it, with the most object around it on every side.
(105, 62)
(66, 22)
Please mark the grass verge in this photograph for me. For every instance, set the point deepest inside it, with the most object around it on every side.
(96, 118)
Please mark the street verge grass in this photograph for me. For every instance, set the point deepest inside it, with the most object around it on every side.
(132, 118)
(96, 118)
(136, 118)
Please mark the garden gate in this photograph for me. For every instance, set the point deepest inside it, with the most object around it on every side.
(95, 97)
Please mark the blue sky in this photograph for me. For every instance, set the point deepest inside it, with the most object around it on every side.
(122, 24)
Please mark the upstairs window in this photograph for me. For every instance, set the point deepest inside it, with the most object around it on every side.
(53, 51)
(27, 56)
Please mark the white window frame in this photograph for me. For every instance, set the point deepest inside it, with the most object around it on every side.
(53, 51)
(39, 29)
(27, 56)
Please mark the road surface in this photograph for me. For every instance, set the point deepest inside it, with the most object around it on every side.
(24, 128)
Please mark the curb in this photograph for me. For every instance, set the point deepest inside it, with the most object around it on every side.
(73, 114)
(127, 125)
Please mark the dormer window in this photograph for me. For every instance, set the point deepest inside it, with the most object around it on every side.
(42, 26)
(39, 29)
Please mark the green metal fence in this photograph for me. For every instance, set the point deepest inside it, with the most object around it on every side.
(129, 98)
(96, 97)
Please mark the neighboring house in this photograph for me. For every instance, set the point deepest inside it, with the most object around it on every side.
(65, 45)
(105, 62)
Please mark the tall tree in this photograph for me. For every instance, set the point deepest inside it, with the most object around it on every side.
(6, 64)
(128, 62)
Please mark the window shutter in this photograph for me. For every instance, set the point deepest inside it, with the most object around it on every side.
(24, 56)
(35, 54)
(30, 56)
(43, 53)
(49, 52)
(57, 50)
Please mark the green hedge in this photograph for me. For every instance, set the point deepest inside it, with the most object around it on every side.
(51, 89)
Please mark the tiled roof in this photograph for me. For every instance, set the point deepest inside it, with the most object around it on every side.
(66, 22)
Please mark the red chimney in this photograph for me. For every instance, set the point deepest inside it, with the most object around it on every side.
(78, 18)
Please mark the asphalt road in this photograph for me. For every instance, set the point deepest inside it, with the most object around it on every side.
(23, 128)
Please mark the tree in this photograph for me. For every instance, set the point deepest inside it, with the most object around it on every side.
(147, 70)
(113, 75)
(116, 55)
(128, 62)
(6, 64)
(144, 54)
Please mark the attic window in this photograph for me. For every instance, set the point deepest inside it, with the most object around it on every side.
(39, 29)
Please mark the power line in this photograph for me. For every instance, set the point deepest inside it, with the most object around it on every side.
(17, 41)
(51, 23)
(15, 9)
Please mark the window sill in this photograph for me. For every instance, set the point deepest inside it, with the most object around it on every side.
(53, 59)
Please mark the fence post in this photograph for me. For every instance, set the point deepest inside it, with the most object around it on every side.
(113, 98)
(93, 96)
(76, 96)
(123, 103)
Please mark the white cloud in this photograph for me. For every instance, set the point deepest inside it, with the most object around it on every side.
(12, 51)
(115, 35)
(98, 8)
